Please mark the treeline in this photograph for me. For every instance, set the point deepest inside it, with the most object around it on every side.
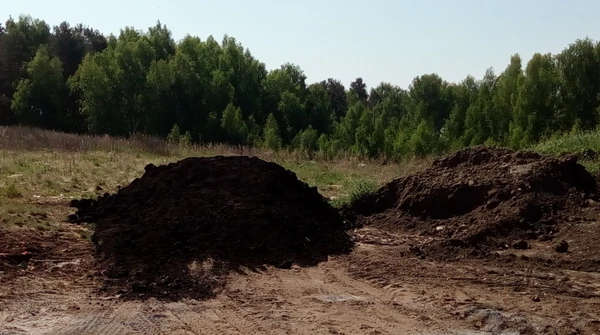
(74, 79)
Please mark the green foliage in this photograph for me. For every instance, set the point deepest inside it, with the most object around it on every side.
(12, 192)
(569, 142)
(536, 105)
(234, 127)
(424, 139)
(253, 138)
(307, 140)
(573, 142)
(174, 135)
(38, 100)
(272, 139)
(362, 189)
(74, 79)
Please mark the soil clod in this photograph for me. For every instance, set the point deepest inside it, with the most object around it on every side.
(562, 246)
(521, 245)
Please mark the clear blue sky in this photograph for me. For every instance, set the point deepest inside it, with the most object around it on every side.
(378, 40)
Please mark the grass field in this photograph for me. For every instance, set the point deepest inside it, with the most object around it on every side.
(41, 171)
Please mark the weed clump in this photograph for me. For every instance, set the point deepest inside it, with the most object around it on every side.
(12, 192)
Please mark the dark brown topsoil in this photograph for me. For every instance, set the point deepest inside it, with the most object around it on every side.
(179, 229)
(478, 200)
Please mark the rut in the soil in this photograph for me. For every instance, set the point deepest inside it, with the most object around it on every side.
(479, 199)
(181, 227)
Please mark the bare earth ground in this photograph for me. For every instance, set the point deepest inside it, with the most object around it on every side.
(48, 285)
(375, 290)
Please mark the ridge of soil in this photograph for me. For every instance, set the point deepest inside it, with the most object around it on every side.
(180, 228)
(479, 200)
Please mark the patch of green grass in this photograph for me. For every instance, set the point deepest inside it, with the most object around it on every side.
(16, 213)
(358, 190)
(12, 192)
(573, 143)
(338, 182)
(362, 189)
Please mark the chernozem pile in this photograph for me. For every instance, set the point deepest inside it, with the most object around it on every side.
(479, 199)
(180, 227)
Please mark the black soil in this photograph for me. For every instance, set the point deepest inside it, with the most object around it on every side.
(179, 229)
(479, 199)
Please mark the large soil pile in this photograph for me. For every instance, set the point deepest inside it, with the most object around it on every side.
(179, 227)
(479, 199)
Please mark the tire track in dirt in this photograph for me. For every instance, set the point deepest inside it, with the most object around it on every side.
(125, 319)
(239, 320)
(369, 313)
(213, 317)
(266, 303)
(301, 287)
(397, 308)
(171, 322)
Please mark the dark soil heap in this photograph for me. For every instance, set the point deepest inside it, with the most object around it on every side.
(180, 227)
(478, 199)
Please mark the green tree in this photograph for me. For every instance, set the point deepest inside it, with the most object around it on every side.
(358, 88)
(318, 108)
(70, 45)
(579, 69)
(465, 94)
(424, 139)
(19, 43)
(505, 100)
(234, 126)
(254, 132)
(536, 108)
(161, 41)
(284, 96)
(365, 139)
(174, 135)
(160, 98)
(191, 104)
(246, 75)
(293, 110)
(478, 124)
(337, 96)
(431, 92)
(95, 84)
(345, 130)
(38, 100)
(307, 140)
(272, 139)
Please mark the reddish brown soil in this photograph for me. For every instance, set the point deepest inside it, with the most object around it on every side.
(176, 230)
(480, 200)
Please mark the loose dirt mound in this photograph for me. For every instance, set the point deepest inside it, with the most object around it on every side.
(179, 228)
(479, 199)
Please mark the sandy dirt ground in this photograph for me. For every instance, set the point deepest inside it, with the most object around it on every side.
(377, 289)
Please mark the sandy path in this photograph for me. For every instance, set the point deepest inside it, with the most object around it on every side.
(371, 291)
